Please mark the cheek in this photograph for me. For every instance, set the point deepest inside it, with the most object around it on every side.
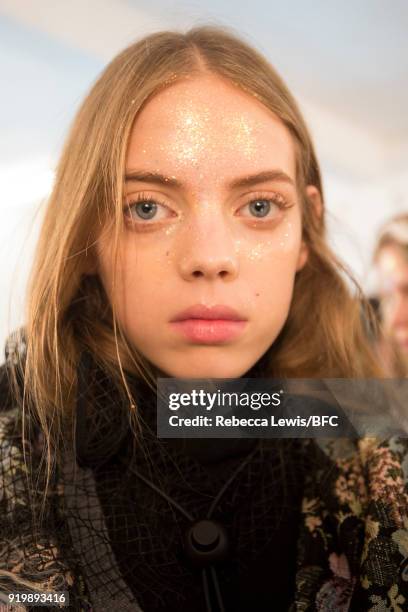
(121, 277)
(282, 245)
(270, 291)
(141, 273)
(268, 264)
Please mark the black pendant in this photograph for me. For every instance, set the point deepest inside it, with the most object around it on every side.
(206, 542)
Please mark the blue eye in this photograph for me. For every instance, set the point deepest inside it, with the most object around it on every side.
(260, 208)
(145, 209)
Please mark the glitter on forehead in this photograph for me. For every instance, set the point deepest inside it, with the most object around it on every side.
(192, 132)
(196, 136)
(244, 136)
(207, 141)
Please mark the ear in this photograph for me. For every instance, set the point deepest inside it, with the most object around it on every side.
(315, 197)
(302, 257)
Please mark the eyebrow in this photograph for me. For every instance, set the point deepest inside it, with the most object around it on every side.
(244, 181)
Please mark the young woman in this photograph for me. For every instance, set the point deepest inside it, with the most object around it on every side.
(391, 263)
(185, 237)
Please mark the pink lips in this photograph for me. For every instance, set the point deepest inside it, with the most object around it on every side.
(209, 325)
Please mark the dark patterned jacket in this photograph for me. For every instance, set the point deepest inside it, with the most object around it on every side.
(352, 549)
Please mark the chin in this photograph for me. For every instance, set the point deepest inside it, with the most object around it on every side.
(223, 370)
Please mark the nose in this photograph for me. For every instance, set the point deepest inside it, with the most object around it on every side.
(208, 251)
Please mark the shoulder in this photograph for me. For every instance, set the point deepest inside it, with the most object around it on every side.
(14, 450)
(32, 551)
(11, 451)
(355, 520)
(14, 354)
(362, 476)
(11, 444)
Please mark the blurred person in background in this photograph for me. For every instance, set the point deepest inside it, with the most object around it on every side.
(391, 266)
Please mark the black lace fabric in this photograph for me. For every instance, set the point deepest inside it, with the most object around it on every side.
(147, 532)
(259, 509)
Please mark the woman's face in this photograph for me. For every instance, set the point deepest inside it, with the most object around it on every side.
(212, 224)
(392, 268)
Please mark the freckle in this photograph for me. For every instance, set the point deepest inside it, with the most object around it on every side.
(257, 294)
(167, 252)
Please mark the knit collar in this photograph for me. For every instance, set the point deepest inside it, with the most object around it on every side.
(103, 425)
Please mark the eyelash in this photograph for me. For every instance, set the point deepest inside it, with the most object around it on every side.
(275, 198)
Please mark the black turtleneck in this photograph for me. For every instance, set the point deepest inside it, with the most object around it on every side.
(259, 510)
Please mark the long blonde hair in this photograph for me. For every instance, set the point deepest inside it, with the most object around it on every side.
(67, 308)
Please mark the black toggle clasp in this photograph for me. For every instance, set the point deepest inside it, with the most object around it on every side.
(206, 542)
